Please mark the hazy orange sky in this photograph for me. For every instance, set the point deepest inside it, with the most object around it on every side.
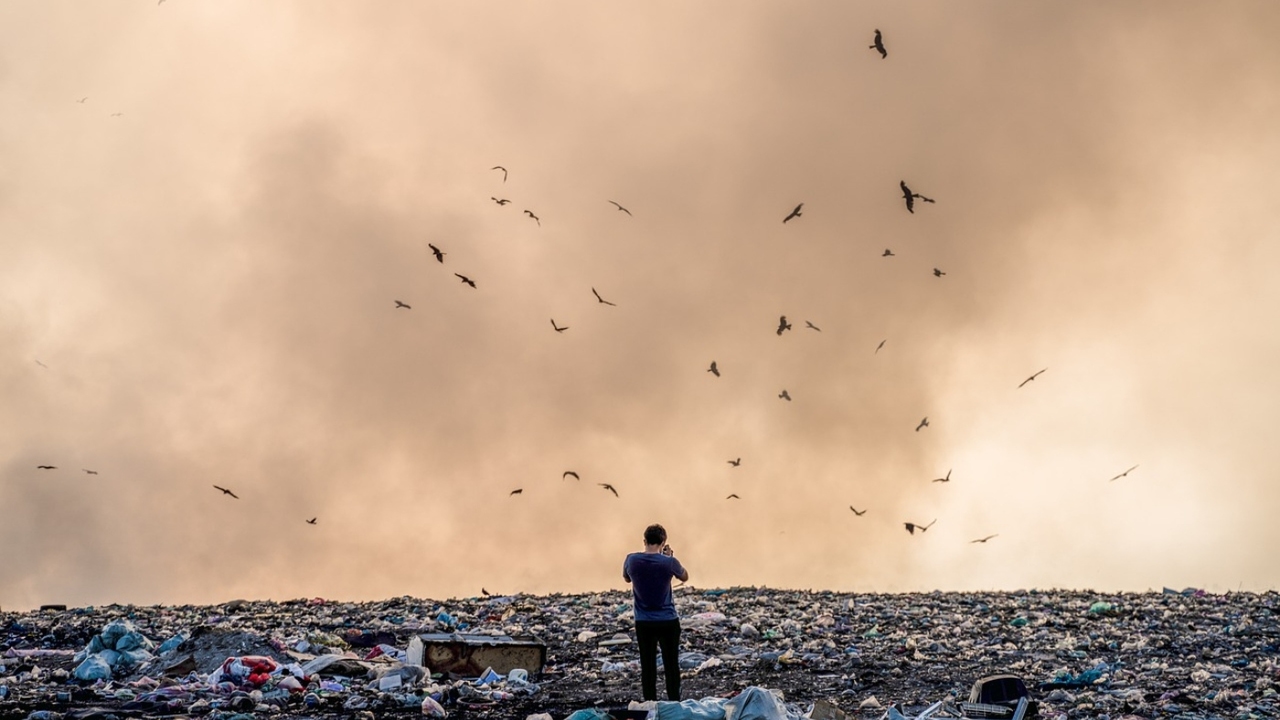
(199, 265)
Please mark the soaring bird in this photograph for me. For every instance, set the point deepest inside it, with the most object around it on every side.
(912, 527)
(879, 45)
(312, 521)
(938, 273)
(857, 512)
(116, 114)
(89, 472)
(943, 479)
(621, 208)
(794, 213)
(713, 369)
(567, 473)
(812, 326)
(923, 423)
(467, 280)
(46, 467)
(517, 491)
(785, 395)
(227, 492)
(601, 300)
(783, 325)
(500, 201)
(1033, 377)
(504, 171)
(437, 252)
(81, 100)
(882, 342)
(557, 327)
(910, 197)
(736, 462)
(402, 305)
(734, 496)
(608, 487)
(887, 253)
(982, 540)
(535, 217)
(46, 367)
(1126, 472)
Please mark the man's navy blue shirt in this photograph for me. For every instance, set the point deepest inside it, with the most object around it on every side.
(650, 577)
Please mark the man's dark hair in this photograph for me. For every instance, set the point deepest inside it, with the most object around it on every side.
(655, 535)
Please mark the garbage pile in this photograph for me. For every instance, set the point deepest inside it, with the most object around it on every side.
(1083, 654)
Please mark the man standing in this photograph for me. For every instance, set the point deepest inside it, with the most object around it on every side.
(657, 624)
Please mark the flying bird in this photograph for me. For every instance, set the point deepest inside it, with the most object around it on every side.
(1033, 377)
(943, 479)
(938, 273)
(912, 527)
(910, 197)
(437, 252)
(882, 342)
(713, 369)
(783, 325)
(517, 491)
(535, 217)
(226, 492)
(602, 300)
(785, 395)
(608, 487)
(879, 45)
(735, 463)
(794, 213)
(567, 473)
(733, 496)
(89, 472)
(46, 467)
(557, 327)
(46, 367)
(621, 208)
(312, 521)
(812, 326)
(500, 201)
(81, 100)
(887, 253)
(402, 305)
(923, 423)
(504, 171)
(467, 280)
(116, 114)
(982, 540)
(857, 512)
(1126, 472)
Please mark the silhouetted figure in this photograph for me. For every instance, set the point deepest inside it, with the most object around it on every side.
(857, 512)
(794, 214)
(504, 171)
(517, 491)
(783, 325)
(938, 273)
(568, 473)
(600, 299)
(557, 327)
(436, 251)
(402, 305)
(466, 280)
(226, 492)
(811, 326)
(910, 197)
(1033, 377)
(312, 521)
(887, 253)
(500, 201)
(713, 369)
(621, 208)
(923, 423)
(608, 487)
(736, 462)
(535, 217)
(879, 45)
(912, 527)
(943, 479)
(1123, 474)
(982, 540)
(785, 395)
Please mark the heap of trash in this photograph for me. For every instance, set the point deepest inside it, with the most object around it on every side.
(776, 653)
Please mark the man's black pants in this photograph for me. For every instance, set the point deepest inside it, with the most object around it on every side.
(650, 634)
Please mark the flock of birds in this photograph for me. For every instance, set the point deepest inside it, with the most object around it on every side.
(909, 197)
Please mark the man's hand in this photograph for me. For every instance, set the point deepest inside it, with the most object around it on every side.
(666, 550)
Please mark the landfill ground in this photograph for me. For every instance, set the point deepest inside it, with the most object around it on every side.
(1157, 654)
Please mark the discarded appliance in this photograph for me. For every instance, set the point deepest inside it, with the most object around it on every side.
(471, 655)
